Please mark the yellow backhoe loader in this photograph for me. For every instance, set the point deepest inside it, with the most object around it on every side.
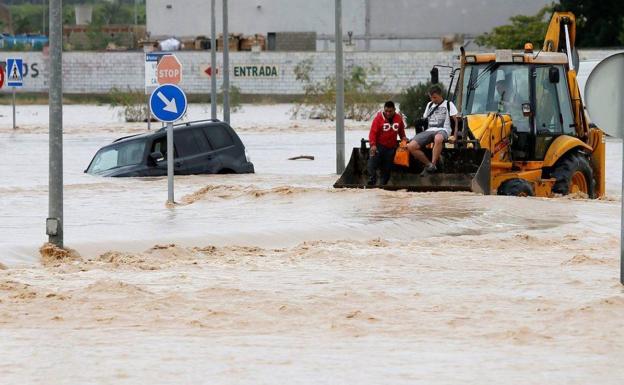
(532, 139)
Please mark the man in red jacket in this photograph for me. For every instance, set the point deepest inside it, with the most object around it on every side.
(383, 142)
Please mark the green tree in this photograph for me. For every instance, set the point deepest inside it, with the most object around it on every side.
(522, 29)
(26, 18)
(599, 23)
(113, 12)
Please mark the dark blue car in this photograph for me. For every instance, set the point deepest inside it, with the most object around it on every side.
(205, 147)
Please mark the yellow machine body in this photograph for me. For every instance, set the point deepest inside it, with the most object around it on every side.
(495, 153)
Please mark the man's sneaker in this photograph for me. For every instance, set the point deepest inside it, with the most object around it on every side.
(429, 169)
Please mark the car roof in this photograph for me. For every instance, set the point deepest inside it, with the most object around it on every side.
(198, 123)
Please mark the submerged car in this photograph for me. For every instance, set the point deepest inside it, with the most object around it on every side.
(203, 147)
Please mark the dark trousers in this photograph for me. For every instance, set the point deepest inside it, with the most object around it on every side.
(383, 161)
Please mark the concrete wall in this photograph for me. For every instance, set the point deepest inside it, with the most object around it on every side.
(90, 72)
(393, 24)
(192, 17)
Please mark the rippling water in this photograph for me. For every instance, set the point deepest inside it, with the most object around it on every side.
(130, 214)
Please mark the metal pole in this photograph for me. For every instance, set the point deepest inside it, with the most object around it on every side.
(622, 223)
(136, 12)
(170, 163)
(43, 16)
(226, 65)
(149, 115)
(54, 225)
(14, 125)
(367, 23)
(340, 136)
(213, 60)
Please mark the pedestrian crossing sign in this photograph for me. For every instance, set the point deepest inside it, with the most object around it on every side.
(14, 72)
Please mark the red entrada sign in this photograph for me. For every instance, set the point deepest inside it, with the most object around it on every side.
(169, 70)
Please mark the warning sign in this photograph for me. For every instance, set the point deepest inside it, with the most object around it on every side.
(15, 72)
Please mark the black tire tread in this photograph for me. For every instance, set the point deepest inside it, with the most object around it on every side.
(566, 167)
(516, 187)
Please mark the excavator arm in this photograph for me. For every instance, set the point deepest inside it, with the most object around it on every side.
(561, 37)
(557, 40)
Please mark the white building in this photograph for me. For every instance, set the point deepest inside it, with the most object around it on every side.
(376, 25)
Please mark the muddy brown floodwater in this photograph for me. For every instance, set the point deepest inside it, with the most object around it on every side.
(278, 278)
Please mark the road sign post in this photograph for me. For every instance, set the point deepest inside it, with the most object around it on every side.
(168, 104)
(15, 78)
(14, 126)
(170, 160)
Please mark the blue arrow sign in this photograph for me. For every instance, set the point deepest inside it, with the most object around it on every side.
(168, 103)
(15, 72)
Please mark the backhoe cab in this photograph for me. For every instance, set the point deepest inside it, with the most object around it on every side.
(523, 129)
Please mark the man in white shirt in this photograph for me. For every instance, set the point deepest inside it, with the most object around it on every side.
(438, 114)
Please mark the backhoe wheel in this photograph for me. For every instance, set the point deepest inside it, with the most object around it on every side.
(516, 187)
(574, 175)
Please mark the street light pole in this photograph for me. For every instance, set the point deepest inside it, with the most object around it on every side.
(213, 60)
(340, 135)
(43, 17)
(226, 65)
(54, 223)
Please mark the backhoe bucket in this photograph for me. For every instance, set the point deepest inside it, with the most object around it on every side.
(462, 169)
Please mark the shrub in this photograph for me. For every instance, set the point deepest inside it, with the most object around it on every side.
(235, 99)
(133, 104)
(362, 96)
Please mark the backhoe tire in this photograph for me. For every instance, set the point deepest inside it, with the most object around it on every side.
(516, 187)
(574, 175)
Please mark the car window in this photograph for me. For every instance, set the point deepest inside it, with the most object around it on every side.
(123, 154)
(219, 136)
(186, 142)
(160, 145)
(201, 140)
(547, 116)
(564, 102)
(494, 87)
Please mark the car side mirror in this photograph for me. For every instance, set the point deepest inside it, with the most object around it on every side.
(526, 109)
(435, 76)
(156, 157)
(553, 75)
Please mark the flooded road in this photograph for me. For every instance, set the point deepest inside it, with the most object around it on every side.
(293, 197)
(277, 277)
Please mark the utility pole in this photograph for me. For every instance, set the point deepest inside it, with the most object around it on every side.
(367, 23)
(54, 222)
(340, 135)
(226, 65)
(136, 12)
(43, 17)
(213, 60)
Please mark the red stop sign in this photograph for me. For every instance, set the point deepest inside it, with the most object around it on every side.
(1, 76)
(169, 70)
